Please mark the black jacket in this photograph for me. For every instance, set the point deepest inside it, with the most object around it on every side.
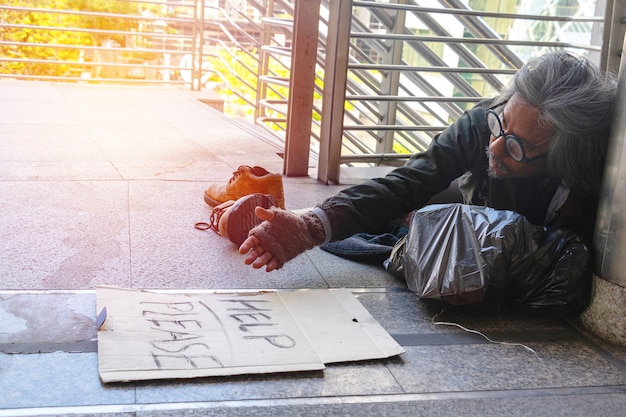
(458, 152)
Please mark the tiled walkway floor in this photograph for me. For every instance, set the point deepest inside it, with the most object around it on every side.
(103, 184)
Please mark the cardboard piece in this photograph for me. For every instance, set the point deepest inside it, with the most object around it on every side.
(157, 335)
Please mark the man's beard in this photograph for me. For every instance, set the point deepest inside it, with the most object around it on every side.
(495, 161)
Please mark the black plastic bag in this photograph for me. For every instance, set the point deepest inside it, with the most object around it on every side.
(557, 276)
(463, 254)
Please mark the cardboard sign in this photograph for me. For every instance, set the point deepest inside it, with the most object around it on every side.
(155, 335)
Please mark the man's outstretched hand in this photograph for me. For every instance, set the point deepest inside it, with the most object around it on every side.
(281, 236)
(254, 251)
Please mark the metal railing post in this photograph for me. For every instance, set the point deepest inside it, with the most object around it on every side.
(612, 35)
(263, 63)
(335, 78)
(390, 83)
(198, 44)
(301, 87)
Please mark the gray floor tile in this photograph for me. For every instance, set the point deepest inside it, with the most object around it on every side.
(51, 152)
(494, 367)
(400, 312)
(47, 322)
(56, 379)
(64, 235)
(339, 272)
(608, 405)
(335, 380)
(41, 105)
(603, 405)
(301, 193)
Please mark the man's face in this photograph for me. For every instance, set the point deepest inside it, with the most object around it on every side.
(520, 120)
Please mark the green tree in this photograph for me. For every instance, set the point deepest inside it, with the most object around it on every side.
(106, 23)
(38, 29)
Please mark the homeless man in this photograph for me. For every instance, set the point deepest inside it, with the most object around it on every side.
(537, 149)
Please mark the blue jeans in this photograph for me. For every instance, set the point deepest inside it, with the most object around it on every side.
(372, 247)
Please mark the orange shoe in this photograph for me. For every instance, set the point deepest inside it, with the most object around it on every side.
(247, 180)
(234, 219)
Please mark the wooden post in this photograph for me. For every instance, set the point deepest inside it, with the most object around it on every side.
(301, 87)
(335, 78)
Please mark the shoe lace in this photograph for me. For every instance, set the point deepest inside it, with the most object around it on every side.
(214, 219)
(237, 173)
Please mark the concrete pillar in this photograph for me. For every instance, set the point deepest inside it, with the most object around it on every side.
(606, 314)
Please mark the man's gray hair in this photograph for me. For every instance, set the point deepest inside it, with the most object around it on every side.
(576, 99)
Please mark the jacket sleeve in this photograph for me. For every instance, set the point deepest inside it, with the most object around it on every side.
(458, 149)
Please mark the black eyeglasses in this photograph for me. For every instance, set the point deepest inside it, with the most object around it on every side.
(514, 146)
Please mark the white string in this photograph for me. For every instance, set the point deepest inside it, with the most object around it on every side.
(446, 323)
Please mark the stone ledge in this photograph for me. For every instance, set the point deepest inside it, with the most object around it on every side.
(605, 315)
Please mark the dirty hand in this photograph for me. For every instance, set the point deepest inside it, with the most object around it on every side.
(281, 237)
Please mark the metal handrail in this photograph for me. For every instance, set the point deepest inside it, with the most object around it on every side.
(93, 14)
(409, 68)
(92, 48)
(482, 41)
(99, 31)
(477, 13)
